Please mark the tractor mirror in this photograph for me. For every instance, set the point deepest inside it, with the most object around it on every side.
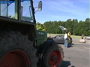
(40, 6)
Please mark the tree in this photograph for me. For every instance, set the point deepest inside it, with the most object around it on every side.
(77, 28)
(40, 26)
(87, 20)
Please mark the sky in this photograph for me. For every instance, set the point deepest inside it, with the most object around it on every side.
(61, 10)
(55, 10)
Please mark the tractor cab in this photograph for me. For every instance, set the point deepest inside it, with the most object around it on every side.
(21, 10)
(19, 15)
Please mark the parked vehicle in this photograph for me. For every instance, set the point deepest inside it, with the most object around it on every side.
(88, 37)
(60, 39)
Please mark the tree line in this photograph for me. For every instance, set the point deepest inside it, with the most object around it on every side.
(74, 26)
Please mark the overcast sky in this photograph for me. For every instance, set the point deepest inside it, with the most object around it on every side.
(56, 10)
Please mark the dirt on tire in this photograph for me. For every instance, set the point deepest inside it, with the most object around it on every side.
(14, 40)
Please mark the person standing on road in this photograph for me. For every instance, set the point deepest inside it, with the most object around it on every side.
(69, 39)
(66, 39)
(69, 33)
(82, 37)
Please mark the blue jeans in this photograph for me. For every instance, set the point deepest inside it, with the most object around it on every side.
(65, 43)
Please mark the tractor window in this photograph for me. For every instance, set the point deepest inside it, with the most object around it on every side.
(3, 8)
(26, 11)
(7, 8)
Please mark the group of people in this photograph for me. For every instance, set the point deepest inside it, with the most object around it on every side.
(66, 39)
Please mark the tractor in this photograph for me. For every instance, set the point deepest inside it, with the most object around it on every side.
(21, 45)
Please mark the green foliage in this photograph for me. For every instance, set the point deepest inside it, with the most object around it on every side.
(74, 26)
(40, 26)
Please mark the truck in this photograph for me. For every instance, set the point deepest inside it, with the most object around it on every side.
(21, 45)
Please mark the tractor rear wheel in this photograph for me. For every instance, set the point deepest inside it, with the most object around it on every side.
(53, 56)
(16, 50)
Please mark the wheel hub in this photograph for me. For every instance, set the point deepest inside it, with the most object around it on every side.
(55, 58)
(15, 58)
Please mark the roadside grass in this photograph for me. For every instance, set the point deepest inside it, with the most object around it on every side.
(73, 36)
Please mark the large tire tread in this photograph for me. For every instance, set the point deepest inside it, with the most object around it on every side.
(46, 55)
(14, 40)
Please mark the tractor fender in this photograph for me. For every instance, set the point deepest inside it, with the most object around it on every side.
(44, 46)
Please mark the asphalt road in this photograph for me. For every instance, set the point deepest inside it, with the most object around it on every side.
(77, 55)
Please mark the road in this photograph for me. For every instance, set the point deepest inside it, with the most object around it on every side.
(77, 55)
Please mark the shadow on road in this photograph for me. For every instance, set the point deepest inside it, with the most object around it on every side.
(66, 64)
(72, 43)
(70, 46)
